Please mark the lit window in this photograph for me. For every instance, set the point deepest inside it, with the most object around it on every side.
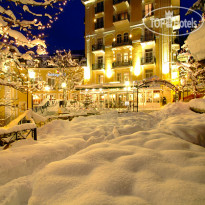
(100, 79)
(119, 57)
(148, 73)
(148, 9)
(51, 82)
(119, 38)
(100, 60)
(119, 77)
(126, 57)
(126, 77)
(126, 37)
(148, 55)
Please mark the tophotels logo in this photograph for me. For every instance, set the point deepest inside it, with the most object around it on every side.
(169, 17)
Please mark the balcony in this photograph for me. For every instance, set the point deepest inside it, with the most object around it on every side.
(123, 43)
(98, 48)
(121, 64)
(146, 38)
(85, 1)
(121, 5)
(150, 60)
(98, 66)
(121, 19)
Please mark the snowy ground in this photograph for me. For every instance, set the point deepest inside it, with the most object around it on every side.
(110, 159)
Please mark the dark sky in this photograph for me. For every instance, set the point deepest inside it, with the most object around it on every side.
(68, 31)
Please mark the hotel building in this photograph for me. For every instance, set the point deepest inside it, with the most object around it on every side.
(122, 51)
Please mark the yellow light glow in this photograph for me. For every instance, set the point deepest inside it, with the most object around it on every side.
(47, 88)
(31, 74)
(127, 83)
(86, 73)
(63, 85)
(137, 69)
(156, 95)
(114, 39)
(174, 75)
(130, 35)
(5, 68)
(109, 71)
(35, 97)
(165, 68)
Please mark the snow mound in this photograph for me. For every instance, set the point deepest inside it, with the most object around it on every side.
(139, 169)
(111, 159)
(197, 105)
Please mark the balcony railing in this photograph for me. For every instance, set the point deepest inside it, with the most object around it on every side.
(150, 60)
(99, 25)
(150, 37)
(121, 17)
(119, 1)
(122, 43)
(98, 66)
(121, 64)
(98, 47)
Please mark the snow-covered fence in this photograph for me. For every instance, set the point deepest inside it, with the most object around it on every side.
(20, 128)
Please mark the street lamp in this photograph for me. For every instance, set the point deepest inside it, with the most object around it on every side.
(31, 74)
(63, 85)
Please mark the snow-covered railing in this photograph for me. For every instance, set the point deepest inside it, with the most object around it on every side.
(43, 105)
(21, 127)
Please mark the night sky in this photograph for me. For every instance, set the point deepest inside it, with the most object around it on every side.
(68, 31)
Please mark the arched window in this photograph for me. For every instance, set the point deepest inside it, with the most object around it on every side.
(126, 37)
(119, 38)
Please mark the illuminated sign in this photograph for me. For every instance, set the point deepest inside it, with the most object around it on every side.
(55, 74)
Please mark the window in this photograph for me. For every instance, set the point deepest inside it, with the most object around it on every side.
(100, 79)
(124, 16)
(100, 41)
(149, 36)
(148, 55)
(51, 82)
(119, 57)
(99, 7)
(99, 23)
(126, 57)
(126, 37)
(148, 73)
(119, 38)
(119, 77)
(100, 60)
(148, 9)
(126, 77)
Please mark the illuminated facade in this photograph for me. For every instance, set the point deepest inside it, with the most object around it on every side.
(121, 51)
